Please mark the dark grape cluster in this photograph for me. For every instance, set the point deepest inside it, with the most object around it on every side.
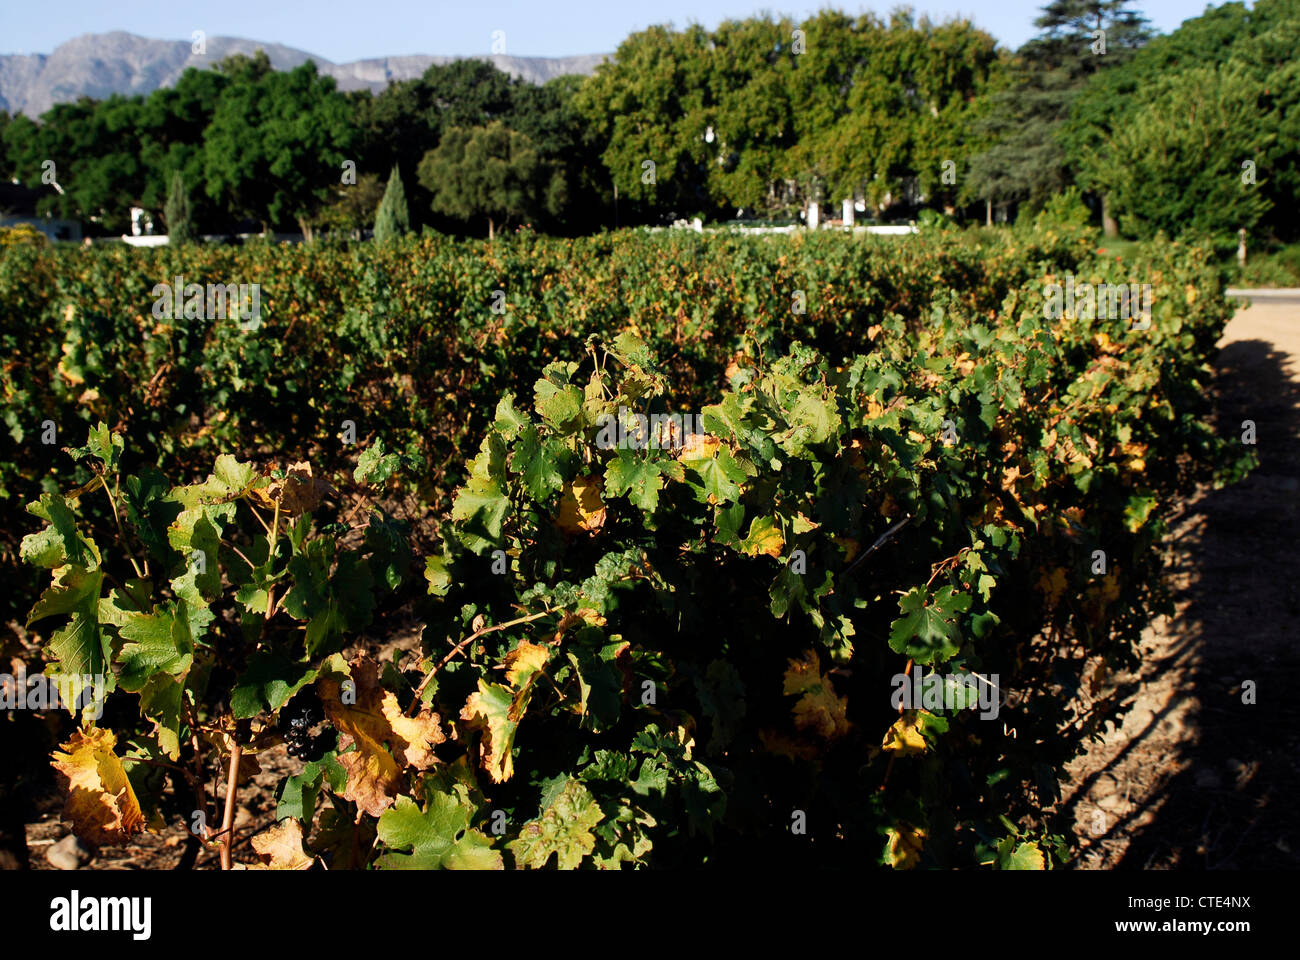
(296, 721)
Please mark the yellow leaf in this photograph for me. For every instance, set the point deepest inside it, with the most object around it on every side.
(280, 847)
(101, 805)
(375, 722)
(784, 746)
(1027, 856)
(905, 844)
(525, 660)
(72, 378)
(849, 546)
(737, 363)
(802, 673)
(764, 537)
(822, 712)
(700, 447)
(802, 524)
(496, 709)
(493, 709)
(819, 710)
(1136, 452)
(904, 738)
(581, 508)
(301, 490)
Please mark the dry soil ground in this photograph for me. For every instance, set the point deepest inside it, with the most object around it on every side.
(1196, 778)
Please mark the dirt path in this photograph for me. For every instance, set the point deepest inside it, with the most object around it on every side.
(1196, 778)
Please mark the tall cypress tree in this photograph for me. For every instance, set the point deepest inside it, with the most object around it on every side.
(176, 212)
(392, 218)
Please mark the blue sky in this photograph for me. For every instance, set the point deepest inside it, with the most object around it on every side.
(341, 30)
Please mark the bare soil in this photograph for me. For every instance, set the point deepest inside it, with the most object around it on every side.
(1196, 778)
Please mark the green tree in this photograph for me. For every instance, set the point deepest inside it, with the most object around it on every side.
(1258, 45)
(648, 106)
(1170, 171)
(492, 172)
(276, 144)
(1025, 161)
(352, 207)
(180, 230)
(766, 114)
(906, 110)
(392, 219)
(90, 149)
(172, 122)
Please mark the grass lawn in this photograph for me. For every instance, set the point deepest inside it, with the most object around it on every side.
(1115, 247)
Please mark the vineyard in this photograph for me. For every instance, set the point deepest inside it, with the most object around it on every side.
(673, 648)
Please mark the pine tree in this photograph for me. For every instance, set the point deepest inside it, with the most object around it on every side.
(392, 218)
(176, 212)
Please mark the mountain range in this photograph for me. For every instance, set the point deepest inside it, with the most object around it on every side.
(101, 64)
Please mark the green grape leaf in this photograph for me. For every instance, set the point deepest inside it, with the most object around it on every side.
(629, 473)
(538, 461)
(157, 642)
(390, 551)
(268, 683)
(1137, 511)
(79, 647)
(560, 406)
(564, 829)
(162, 701)
(59, 543)
(375, 466)
(103, 445)
(729, 521)
(811, 420)
(299, 793)
(489, 709)
(439, 837)
(720, 476)
(1020, 856)
(510, 421)
(196, 533)
(150, 510)
(481, 504)
(437, 575)
(928, 631)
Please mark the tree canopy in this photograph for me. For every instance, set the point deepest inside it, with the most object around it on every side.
(1190, 131)
(490, 172)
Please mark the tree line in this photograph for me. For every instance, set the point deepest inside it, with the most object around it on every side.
(1192, 131)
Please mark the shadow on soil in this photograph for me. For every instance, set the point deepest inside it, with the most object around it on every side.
(1221, 775)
